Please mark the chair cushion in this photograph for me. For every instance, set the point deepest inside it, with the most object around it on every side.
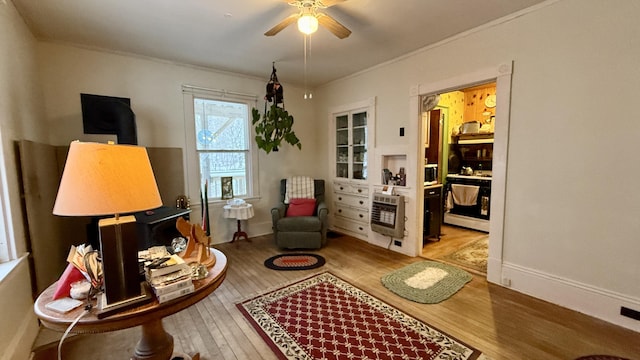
(301, 207)
(299, 223)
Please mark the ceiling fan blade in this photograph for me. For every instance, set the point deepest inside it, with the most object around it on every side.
(329, 3)
(332, 25)
(281, 25)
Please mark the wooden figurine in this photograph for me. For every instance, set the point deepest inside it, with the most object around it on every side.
(198, 243)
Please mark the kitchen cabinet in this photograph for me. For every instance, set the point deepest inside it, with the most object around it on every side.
(433, 213)
(351, 208)
(351, 144)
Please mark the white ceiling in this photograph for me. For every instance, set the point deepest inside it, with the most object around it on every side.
(228, 34)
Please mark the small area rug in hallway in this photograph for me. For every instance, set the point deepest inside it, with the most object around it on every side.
(473, 256)
(426, 282)
(324, 317)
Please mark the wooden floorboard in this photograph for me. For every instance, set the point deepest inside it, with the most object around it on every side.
(500, 322)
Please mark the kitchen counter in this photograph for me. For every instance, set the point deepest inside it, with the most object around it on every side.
(431, 186)
(475, 177)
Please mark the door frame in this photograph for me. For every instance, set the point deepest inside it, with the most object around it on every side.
(501, 74)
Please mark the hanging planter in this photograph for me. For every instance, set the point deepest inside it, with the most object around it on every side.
(276, 125)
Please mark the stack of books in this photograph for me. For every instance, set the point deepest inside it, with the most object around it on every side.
(169, 277)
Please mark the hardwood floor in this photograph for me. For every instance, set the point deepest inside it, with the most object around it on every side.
(500, 322)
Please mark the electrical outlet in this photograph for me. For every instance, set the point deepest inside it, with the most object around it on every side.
(397, 243)
(506, 281)
(630, 313)
(401, 131)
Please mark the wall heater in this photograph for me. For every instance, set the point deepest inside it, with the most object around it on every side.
(387, 215)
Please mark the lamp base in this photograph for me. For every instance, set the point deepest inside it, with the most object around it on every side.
(105, 309)
(119, 249)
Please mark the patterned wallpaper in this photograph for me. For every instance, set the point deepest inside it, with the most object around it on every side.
(454, 101)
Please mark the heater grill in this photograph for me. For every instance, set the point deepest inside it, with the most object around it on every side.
(387, 215)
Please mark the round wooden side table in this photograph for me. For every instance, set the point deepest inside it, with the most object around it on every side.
(155, 343)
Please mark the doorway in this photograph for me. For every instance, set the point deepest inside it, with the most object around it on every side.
(463, 156)
(501, 75)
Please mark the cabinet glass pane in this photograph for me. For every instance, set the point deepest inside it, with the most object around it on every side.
(359, 136)
(360, 119)
(342, 170)
(342, 154)
(342, 122)
(342, 137)
(359, 172)
(359, 154)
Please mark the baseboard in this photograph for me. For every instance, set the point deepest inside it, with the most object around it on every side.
(587, 299)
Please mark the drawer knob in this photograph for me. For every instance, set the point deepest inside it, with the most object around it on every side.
(359, 190)
(339, 197)
(361, 202)
(339, 210)
(361, 228)
(361, 215)
(341, 188)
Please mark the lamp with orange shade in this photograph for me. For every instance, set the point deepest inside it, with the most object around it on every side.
(106, 180)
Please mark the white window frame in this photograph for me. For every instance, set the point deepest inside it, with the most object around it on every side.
(7, 240)
(193, 178)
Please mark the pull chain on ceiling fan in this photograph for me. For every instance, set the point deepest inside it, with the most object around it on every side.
(307, 43)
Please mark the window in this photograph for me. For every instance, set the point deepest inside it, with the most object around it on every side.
(220, 128)
(222, 143)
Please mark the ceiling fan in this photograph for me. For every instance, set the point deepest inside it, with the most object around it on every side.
(308, 18)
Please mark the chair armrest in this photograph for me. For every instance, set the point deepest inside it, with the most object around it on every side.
(278, 213)
(323, 211)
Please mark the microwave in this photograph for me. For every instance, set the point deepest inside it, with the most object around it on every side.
(431, 174)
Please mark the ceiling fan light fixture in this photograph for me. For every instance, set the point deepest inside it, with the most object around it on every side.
(307, 24)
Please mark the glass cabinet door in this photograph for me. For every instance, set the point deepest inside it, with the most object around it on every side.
(342, 146)
(359, 141)
(351, 145)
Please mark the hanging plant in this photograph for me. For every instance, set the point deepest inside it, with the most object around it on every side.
(275, 126)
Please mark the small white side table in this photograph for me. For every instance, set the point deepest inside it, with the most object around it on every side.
(238, 212)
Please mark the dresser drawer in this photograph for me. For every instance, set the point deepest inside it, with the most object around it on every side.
(348, 225)
(350, 200)
(352, 213)
(355, 189)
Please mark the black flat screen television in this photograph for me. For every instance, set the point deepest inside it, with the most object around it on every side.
(109, 115)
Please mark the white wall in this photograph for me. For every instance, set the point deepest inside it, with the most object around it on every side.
(155, 89)
(571, 218)
(20, 113)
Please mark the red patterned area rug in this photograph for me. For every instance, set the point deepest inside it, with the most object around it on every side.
(324, 317)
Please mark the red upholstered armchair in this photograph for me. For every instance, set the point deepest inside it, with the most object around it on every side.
(300, 232)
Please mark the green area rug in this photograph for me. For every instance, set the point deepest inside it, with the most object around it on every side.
(426, 282)
(473, 256)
